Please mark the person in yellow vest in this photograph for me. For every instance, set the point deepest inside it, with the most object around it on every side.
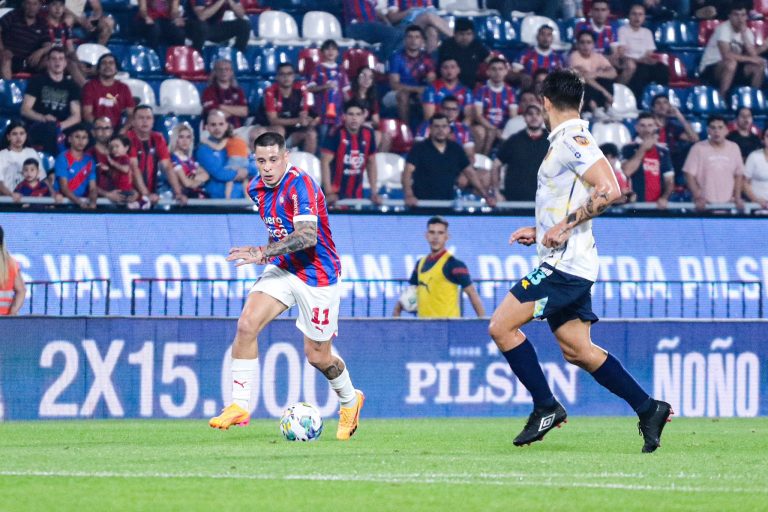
(12, 290)
(438, 277)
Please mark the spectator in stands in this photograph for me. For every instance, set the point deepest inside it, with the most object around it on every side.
(364, 22)
(447, 85)
(327, 83)
(460, 132)
(611, 153)
(51, 103)
(411, 70)
(676, 132)
(286, 110)
(423, 14)
(597, 25)
(12, 157)
(24, 40)
(640, 65)
(517, 122)
(12, 288)
(648, 164)
(106, 96)
(548, 8)
(495, 104)
(714, 168)
(225, 94)
(711, 9)
(212, 156)
(745, 133)
(122, 170)
(542, 56)
(538, 80)
(32, 185)
(466, 50)
(435, 164)
(76, 170)
(730, 57)
(346, 154)
(160, 22)
(363, 90)
(152, 157)
(94, 25)
(60, 34)
(598, 74)
(756, 175)
(102, 132)
(522, 155)
(660, 13)
(190, 173)
(205, 23)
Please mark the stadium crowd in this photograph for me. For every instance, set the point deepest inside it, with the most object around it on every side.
(422, 101)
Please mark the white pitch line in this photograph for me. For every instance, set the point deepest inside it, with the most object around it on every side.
(521, 480)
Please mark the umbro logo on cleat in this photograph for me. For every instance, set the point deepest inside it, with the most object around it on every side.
(546, 422)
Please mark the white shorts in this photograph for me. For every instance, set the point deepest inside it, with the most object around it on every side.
(318, 305)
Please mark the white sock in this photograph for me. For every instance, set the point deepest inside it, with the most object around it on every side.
(343, 387)
(243, 372)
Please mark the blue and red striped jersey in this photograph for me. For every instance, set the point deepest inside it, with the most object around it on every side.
(460, 133)
(298, 198)
(78, 173)
(495, 103)
(404, 5)
(411, 70)
(350, 158)
(603, 38)
(438, 90)
(360, 11)
(533, 60)
(329, 103)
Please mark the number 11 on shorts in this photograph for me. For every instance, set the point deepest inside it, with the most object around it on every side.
(316, 316)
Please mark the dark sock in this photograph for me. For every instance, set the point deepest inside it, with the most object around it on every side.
(525, 364)
(616, 379)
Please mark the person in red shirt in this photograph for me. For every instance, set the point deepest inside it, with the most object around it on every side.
(286, 108)
(150, 152)
(160, 22)
(106, 96)
(223, 93)
(121, 168)
(648, 164)
(60, 34)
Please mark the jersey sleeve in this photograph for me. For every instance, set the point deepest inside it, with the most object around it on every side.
(580, 151)
(162, 149)
(304, 200)
(414, 280)
(457, 272)
(428, 98)
(209, 98)
(60, 167)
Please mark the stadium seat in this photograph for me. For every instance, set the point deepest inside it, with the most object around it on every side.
(47, 161)
(482, 163)
(141, 61)
(252, 6)
(4, 122)
(530, 27)
(624, 102)
(678, 71)
(706, 27)
(185, 62)
(256, 94)
(11, 96)
(116, 5)
(704, 100)
(89, 53)
(400, 134)
(240, 64)
(356, 58)
(677, 34)
(749, 97)
(568, 28)
(309, 58)
(760, 6)
(652, 90)
(613, 132)
(306, 162)
(277, 26)
(391, 166)
(318, 26)
(497, 32)
(459, 5)
(5, 10)
(142, 91)
(267, 58)
(179, 97)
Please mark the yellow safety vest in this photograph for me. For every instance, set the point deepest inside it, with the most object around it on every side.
(437, 296)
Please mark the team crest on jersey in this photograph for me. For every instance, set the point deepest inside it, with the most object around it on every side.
(581, 140)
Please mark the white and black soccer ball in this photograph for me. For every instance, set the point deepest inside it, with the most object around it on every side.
(408, 299)
(301, 422)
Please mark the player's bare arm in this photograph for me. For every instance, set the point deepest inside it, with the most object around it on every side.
(523, 236)
(303, 237)
(605, 191)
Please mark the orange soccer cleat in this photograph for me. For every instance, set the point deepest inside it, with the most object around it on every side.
(231, 415)
(349, 418)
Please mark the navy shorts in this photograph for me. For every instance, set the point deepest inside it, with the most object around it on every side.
(558, 297)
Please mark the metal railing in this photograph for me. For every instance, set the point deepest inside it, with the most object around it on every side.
(64, 297)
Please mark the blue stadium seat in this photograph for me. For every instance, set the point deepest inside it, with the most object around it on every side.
(568, 28)
(266, 61)
(256, 94)
(141, 61)
(4, 122)
(165, 123)
(499, 33)
(704, 100)
(12, 95)
(47, 161)
(239, 62)
(112, 6)
(677, 34)
(691, 60)
(651, 91)
(748, 97)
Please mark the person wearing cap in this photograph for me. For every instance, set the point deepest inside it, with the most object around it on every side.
(522, 154)
(12, 289)
(105, 96)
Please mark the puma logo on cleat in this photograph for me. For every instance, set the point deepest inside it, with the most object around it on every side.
(546, 422)
(241, 384)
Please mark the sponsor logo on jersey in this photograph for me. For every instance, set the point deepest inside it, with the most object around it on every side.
(581, 140)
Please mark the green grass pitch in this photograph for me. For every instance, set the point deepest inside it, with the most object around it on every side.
(592, 464)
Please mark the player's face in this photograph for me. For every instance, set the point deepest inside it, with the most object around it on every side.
(744, 120)
(57, 61)
(217, 125)
(738, 18)
(439, 130)
(223, 71)
(102, 131)
(285, 77)
(449, 70)
(413, 41)
(330, 54)
(600, 12)
(184, 140)
(365, 80)
(585, 45)
(716, 130)
(117, 148)
(31, 7)
(637, 17)
(533, 119)
(544, 38)
(464, 38)
(56, 10)
(353, 119)
(108, 67)
(143, 120)
(437, 237)
(496, 72)
(646, 128)
(661, 107)
(272, 163)
(78, 140)
(29, 173)
(17, 137)
(451, 110)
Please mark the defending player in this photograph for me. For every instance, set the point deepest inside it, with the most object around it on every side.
(303, 269)
(575, 184)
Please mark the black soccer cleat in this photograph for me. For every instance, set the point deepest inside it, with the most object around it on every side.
(652, 423)
(540, 422)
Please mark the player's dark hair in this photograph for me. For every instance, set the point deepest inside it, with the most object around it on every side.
(714, 118)
(657, 98)
(645, 115)
(564, 88)
(636, 4)
(143, 106)
(738, 112)
(30, 161)
(739, 6)
(463, 25)
(437, 219)
(497, 60)
(2, 236)
(328, 43)
(449, 99)
(104, 57)
(606, 2)
(16, 123)
(438, 117)
(79, 127)
(415, 28)
(285, 65)
(610, 149)
(353, 103)
(122, 138)
(57, 49)
(585, 33)
(544, 27)
(270, 139)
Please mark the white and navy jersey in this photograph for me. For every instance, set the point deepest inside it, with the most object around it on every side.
(561, 190)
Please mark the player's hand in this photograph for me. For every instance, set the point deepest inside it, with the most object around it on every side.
(556, 236)
(662, 203)
(411, 201)
(375, 199)
(181, 199)
(524, 236)
(154, 199)
(247, 255)
(701, 204)
(739, 203)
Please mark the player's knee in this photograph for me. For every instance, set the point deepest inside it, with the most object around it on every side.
(316, 356)
(248, 328)
(577, 357)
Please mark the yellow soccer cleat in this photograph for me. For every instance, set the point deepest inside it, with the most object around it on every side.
(231, 415)
(349, 418)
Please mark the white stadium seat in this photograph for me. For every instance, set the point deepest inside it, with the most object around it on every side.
(483, 163)
(459, 5)
(179, 97)
(530, 27)
(390, 166)
(90, 53)
(318, 26)
(277, 26)
(141, 90)
(624, 102)
(613, 132)
(308, 163)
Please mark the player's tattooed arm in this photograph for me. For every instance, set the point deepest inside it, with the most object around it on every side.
(303, 237)
(596, 204)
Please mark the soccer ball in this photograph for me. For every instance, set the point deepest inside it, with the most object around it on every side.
(301, 422)
(408, 299)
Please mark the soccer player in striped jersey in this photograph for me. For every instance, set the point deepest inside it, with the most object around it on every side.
(302, 268)
(599, 26)
(495, 104)
(542, 56)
